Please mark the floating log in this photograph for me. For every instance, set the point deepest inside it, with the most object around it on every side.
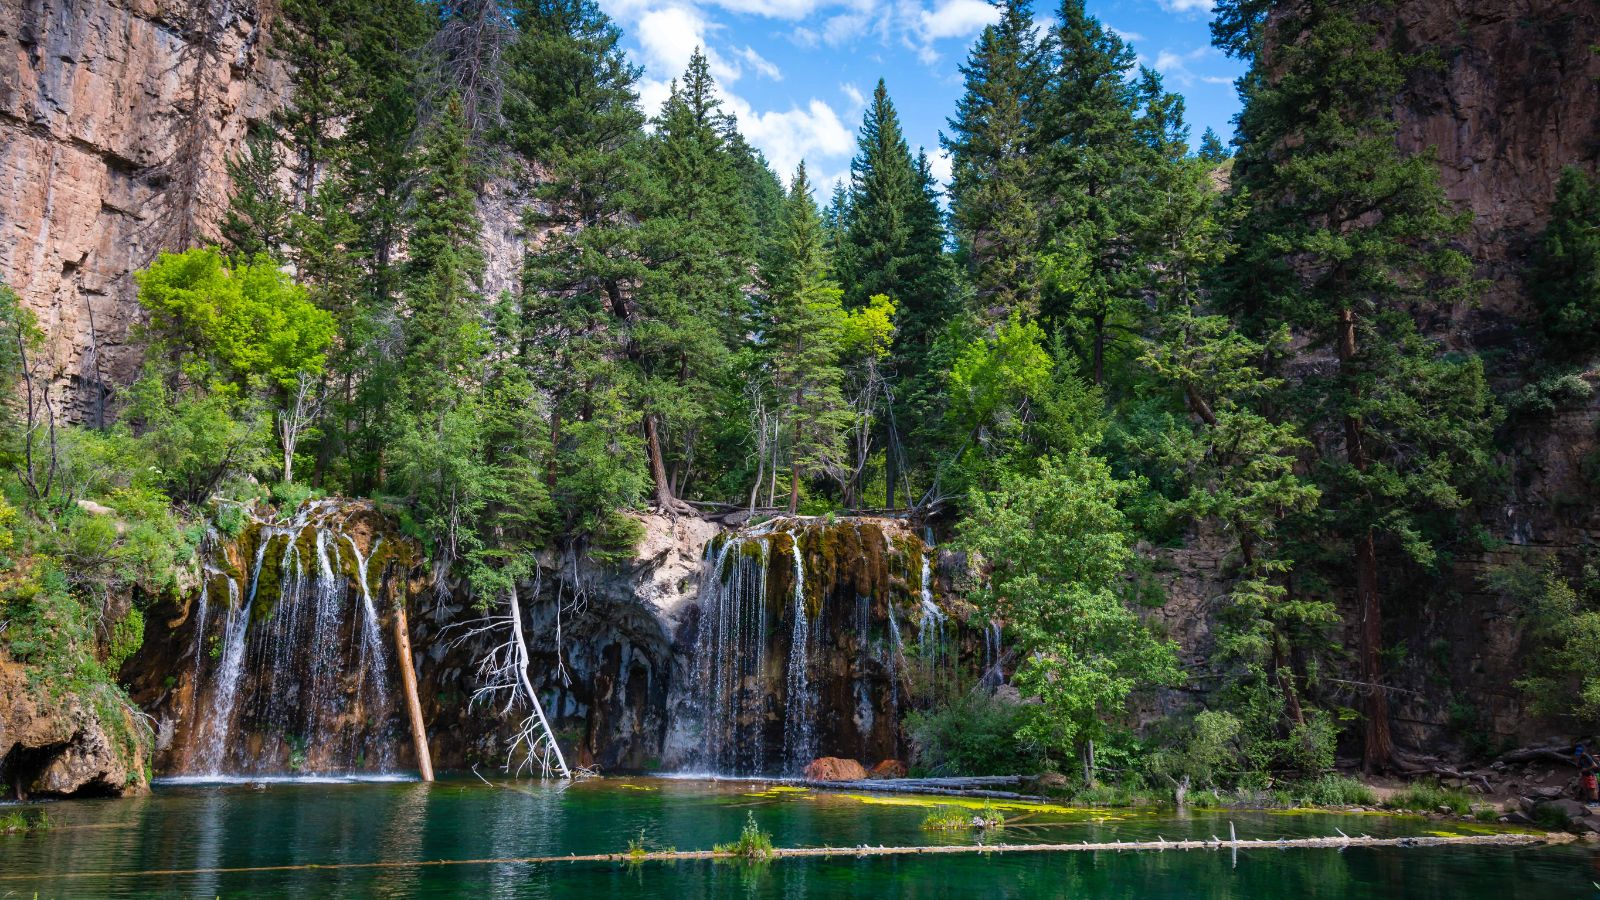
(1323, 843)
(408, 677)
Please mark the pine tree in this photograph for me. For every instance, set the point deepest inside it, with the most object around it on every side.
(1347, 238)
(696, 244)
(1564, 276)
(883, 186)
(1212, 150)
(571, 107)
(439, 445)
(992, 144)
(803, 338)
(1109, 138)
(258, 215)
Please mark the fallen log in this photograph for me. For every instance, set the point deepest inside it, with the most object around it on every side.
(1326, 843)
(878, 786)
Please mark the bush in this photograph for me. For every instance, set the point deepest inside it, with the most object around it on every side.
(976, 734)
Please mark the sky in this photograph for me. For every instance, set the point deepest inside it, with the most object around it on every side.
(797, 73)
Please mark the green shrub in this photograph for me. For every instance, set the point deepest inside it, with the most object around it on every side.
(19, 822)
(975, 734)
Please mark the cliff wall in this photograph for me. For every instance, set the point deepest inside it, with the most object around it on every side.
(116, 121)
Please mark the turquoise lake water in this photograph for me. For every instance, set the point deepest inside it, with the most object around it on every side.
(149, 847)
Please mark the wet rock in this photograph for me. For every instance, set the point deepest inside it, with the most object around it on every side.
(59, 747)
(1571, 809)
(889, 768)
(832, 768)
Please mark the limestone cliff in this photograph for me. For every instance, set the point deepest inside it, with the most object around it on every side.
(116, 121)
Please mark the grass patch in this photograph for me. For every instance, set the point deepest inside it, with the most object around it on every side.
(955, 818)
(1431, 798)
(753, 842)
(1333, 790)
(19, 822)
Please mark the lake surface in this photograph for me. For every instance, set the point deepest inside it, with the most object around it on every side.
(149, 847)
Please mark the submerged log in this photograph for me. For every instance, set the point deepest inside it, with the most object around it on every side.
(1329, 843)
(408, 677)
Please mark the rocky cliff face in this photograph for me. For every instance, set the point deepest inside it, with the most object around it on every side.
(56, 747)
(116, 121)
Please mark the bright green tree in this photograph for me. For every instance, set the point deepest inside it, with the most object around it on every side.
(1053, 549)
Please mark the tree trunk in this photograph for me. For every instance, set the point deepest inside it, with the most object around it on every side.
(794, 488)
(658, 469)
(408, 678)
(891, 471)
(527, 686)
(1379, 746)
(552, 469)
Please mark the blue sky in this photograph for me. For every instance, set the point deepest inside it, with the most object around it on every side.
(796, 72)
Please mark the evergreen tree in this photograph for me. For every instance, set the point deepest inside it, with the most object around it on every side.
(258, 215)
(571, 108)
(696, 244)
(884, 184)
(439, 447)
(1110, 140)
(1347, 238)
(992, 142)
(803, 339)
(1564, 277)
(1212, 150)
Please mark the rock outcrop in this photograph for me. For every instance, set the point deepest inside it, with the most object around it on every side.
(56, 747)
(117, 118)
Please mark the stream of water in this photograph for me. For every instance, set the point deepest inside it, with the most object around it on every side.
(151, 847)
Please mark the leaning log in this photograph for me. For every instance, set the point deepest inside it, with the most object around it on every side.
(408, 677)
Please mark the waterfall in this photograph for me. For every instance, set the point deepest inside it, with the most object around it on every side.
(799, 725)
(302, 681)
(798, 650)
(225, 695)
(730, 652)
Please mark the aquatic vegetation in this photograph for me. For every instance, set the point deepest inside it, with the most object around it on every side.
(19, 822)
(753, 842)
(1333, 790)
(955, 818)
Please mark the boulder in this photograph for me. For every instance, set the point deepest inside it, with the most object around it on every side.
(1571, 809)
(1545, 793)
(889, 768)
(1589, 824)
(832, 768)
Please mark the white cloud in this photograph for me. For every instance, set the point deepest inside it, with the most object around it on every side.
(1187, 6)
(957, 18)
(813, 133)
(939, 163)
(760, 64)
(1174, 67)
(858, 100)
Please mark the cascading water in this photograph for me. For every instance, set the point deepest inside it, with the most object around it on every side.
(799, 712)
(730, 653)
(299, 679)
(798, 651)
